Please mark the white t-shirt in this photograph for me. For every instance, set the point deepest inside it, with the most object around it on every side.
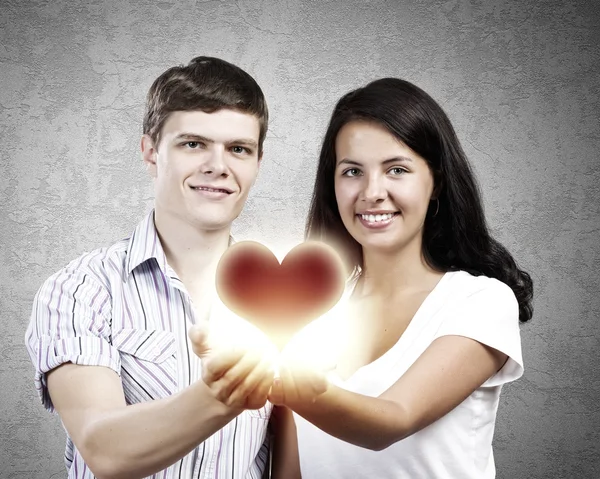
(458, 445)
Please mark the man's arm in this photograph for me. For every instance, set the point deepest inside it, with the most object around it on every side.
(117, 440)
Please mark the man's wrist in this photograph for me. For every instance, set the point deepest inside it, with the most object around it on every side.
(219, 409)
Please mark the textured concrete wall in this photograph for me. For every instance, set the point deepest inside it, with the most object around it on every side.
(519, 80)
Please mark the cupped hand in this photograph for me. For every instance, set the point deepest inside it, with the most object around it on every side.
(299, 383)
(239, 377)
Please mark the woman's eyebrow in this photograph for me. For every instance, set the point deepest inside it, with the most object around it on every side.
(395, 159)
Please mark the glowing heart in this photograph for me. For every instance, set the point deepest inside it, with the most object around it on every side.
(280, 298)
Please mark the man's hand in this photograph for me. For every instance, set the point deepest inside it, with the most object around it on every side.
(238, 377)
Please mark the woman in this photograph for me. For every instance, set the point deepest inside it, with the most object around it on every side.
(431, 329)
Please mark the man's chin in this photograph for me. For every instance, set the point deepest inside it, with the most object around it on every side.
(214, 222)
(201, 218)
(211, 224)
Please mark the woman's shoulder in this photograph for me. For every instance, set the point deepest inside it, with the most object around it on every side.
(478, 293)
(465, 284)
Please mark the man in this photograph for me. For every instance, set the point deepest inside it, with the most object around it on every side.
(113, 334)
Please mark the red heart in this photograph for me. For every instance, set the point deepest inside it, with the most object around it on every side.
(280, 298)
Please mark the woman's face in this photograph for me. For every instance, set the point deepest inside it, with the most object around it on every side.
(382, 187)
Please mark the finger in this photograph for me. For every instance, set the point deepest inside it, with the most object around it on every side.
(328, 366)
(205, 340)
(303, 384)
(220, 363)
(289, 388)
(198, 335)
(259, 395)
(237, 374)
(318, 385)
(313, 381)
(275, 394)
(262, 372)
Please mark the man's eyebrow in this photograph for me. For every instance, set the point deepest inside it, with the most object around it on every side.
(395, 159)
(244, 141)
(195, 137)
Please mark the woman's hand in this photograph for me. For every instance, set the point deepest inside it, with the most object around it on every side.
(299, 383)
(238, 377)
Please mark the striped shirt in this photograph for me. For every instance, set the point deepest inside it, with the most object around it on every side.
(123, 307)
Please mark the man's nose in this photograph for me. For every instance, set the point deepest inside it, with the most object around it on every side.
(214, 162)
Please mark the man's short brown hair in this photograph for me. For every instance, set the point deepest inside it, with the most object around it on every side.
(207, 84)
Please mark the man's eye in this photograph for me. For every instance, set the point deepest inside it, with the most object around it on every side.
(192, 144)
(238, 150)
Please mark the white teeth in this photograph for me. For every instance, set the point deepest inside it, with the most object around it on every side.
(376, 218)
(209, 189)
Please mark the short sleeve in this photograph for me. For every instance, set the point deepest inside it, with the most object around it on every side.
(70, 322)
(490, 315)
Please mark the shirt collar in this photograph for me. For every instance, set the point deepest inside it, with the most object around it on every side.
(144, 244)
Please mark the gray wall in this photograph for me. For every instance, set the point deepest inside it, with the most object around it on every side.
(519, 80)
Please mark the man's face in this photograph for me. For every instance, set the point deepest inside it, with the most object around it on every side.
(204, 166)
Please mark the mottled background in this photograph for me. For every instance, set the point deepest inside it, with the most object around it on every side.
(519, 80)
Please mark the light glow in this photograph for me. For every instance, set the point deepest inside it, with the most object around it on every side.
(316, 346)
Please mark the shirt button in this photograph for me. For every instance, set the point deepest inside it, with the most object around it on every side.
(156, 351)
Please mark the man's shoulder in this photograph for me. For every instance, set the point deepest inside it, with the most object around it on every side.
(99, 263)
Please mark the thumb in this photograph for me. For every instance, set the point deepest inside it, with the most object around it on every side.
(199, 336)
(276, 396)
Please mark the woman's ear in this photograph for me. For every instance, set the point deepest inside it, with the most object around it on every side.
(438, 185)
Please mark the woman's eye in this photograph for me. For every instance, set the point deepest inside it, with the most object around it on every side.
(397, 171)
(352, 172)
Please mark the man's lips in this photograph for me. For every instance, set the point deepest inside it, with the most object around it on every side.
(212, 189)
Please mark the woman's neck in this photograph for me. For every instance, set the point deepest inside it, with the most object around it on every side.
(392, 273)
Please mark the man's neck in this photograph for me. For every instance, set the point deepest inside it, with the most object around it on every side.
(191, 252)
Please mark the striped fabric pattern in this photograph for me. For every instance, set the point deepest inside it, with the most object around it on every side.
(124, 308)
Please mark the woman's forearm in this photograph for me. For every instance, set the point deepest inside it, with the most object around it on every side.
(364, 421)
(286, 462)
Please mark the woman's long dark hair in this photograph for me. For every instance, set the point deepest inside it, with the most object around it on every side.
(454, 238)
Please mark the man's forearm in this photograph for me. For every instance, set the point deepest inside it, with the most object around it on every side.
(142, 439)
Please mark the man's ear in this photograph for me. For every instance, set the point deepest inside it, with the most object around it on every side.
(260, 157)
(149, 153)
